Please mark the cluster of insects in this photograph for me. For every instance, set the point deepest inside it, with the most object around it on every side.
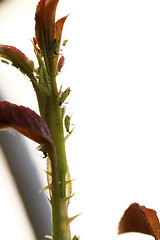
(63, 95)
(67, 119)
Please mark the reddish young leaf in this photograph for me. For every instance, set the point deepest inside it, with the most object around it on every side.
(40, 26)
(60, 63)
(25, 121)
(18, 59)
(50, 12)
(44, 27)
(58, 27)
(140, 219)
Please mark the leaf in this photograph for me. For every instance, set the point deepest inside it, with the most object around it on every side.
(58, 27)
(140, 219)
(50, 12)
(44, 27)
(18, 59)
(60, 63)
(40, 26)
(25, 121)
(26, 66)
(48, 33)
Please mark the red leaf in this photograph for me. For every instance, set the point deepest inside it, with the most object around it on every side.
(18, 58)
(140, 219)
(25, 121)
(58, 27)
(50, 12)
(40, 25)
(45, 20)
(60, 63)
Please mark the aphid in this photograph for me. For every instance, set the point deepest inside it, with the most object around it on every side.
(4, 61)
(44, 153)
(43, 149)
(63, 111)
(67, 121)
(55, 46)
(64, 95)
(65, 42)
(75, 238)
(60, 63)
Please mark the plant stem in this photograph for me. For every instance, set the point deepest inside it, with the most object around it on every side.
(55, 196)
(54, 121)
(59, 167)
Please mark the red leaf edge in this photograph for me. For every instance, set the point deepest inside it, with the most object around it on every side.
(139, 219)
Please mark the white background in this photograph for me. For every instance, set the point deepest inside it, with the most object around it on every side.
(113, 68)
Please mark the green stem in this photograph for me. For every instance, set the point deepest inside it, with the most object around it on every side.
(54, 120)
(55, 196)
(53, 117)
(59, 167)
(61, 229)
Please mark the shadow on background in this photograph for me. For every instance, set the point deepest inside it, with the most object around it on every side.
(28, 183)
(27, 180)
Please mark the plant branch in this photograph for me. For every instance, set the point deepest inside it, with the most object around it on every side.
(61, 229)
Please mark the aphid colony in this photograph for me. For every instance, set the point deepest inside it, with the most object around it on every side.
(62, 97)
(45, 86)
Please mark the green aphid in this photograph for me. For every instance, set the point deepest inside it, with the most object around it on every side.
(75, 238)
(64, 95)
(67, 121)
(4, 61)
(65, 42)
(63, 109)
(55, 46)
